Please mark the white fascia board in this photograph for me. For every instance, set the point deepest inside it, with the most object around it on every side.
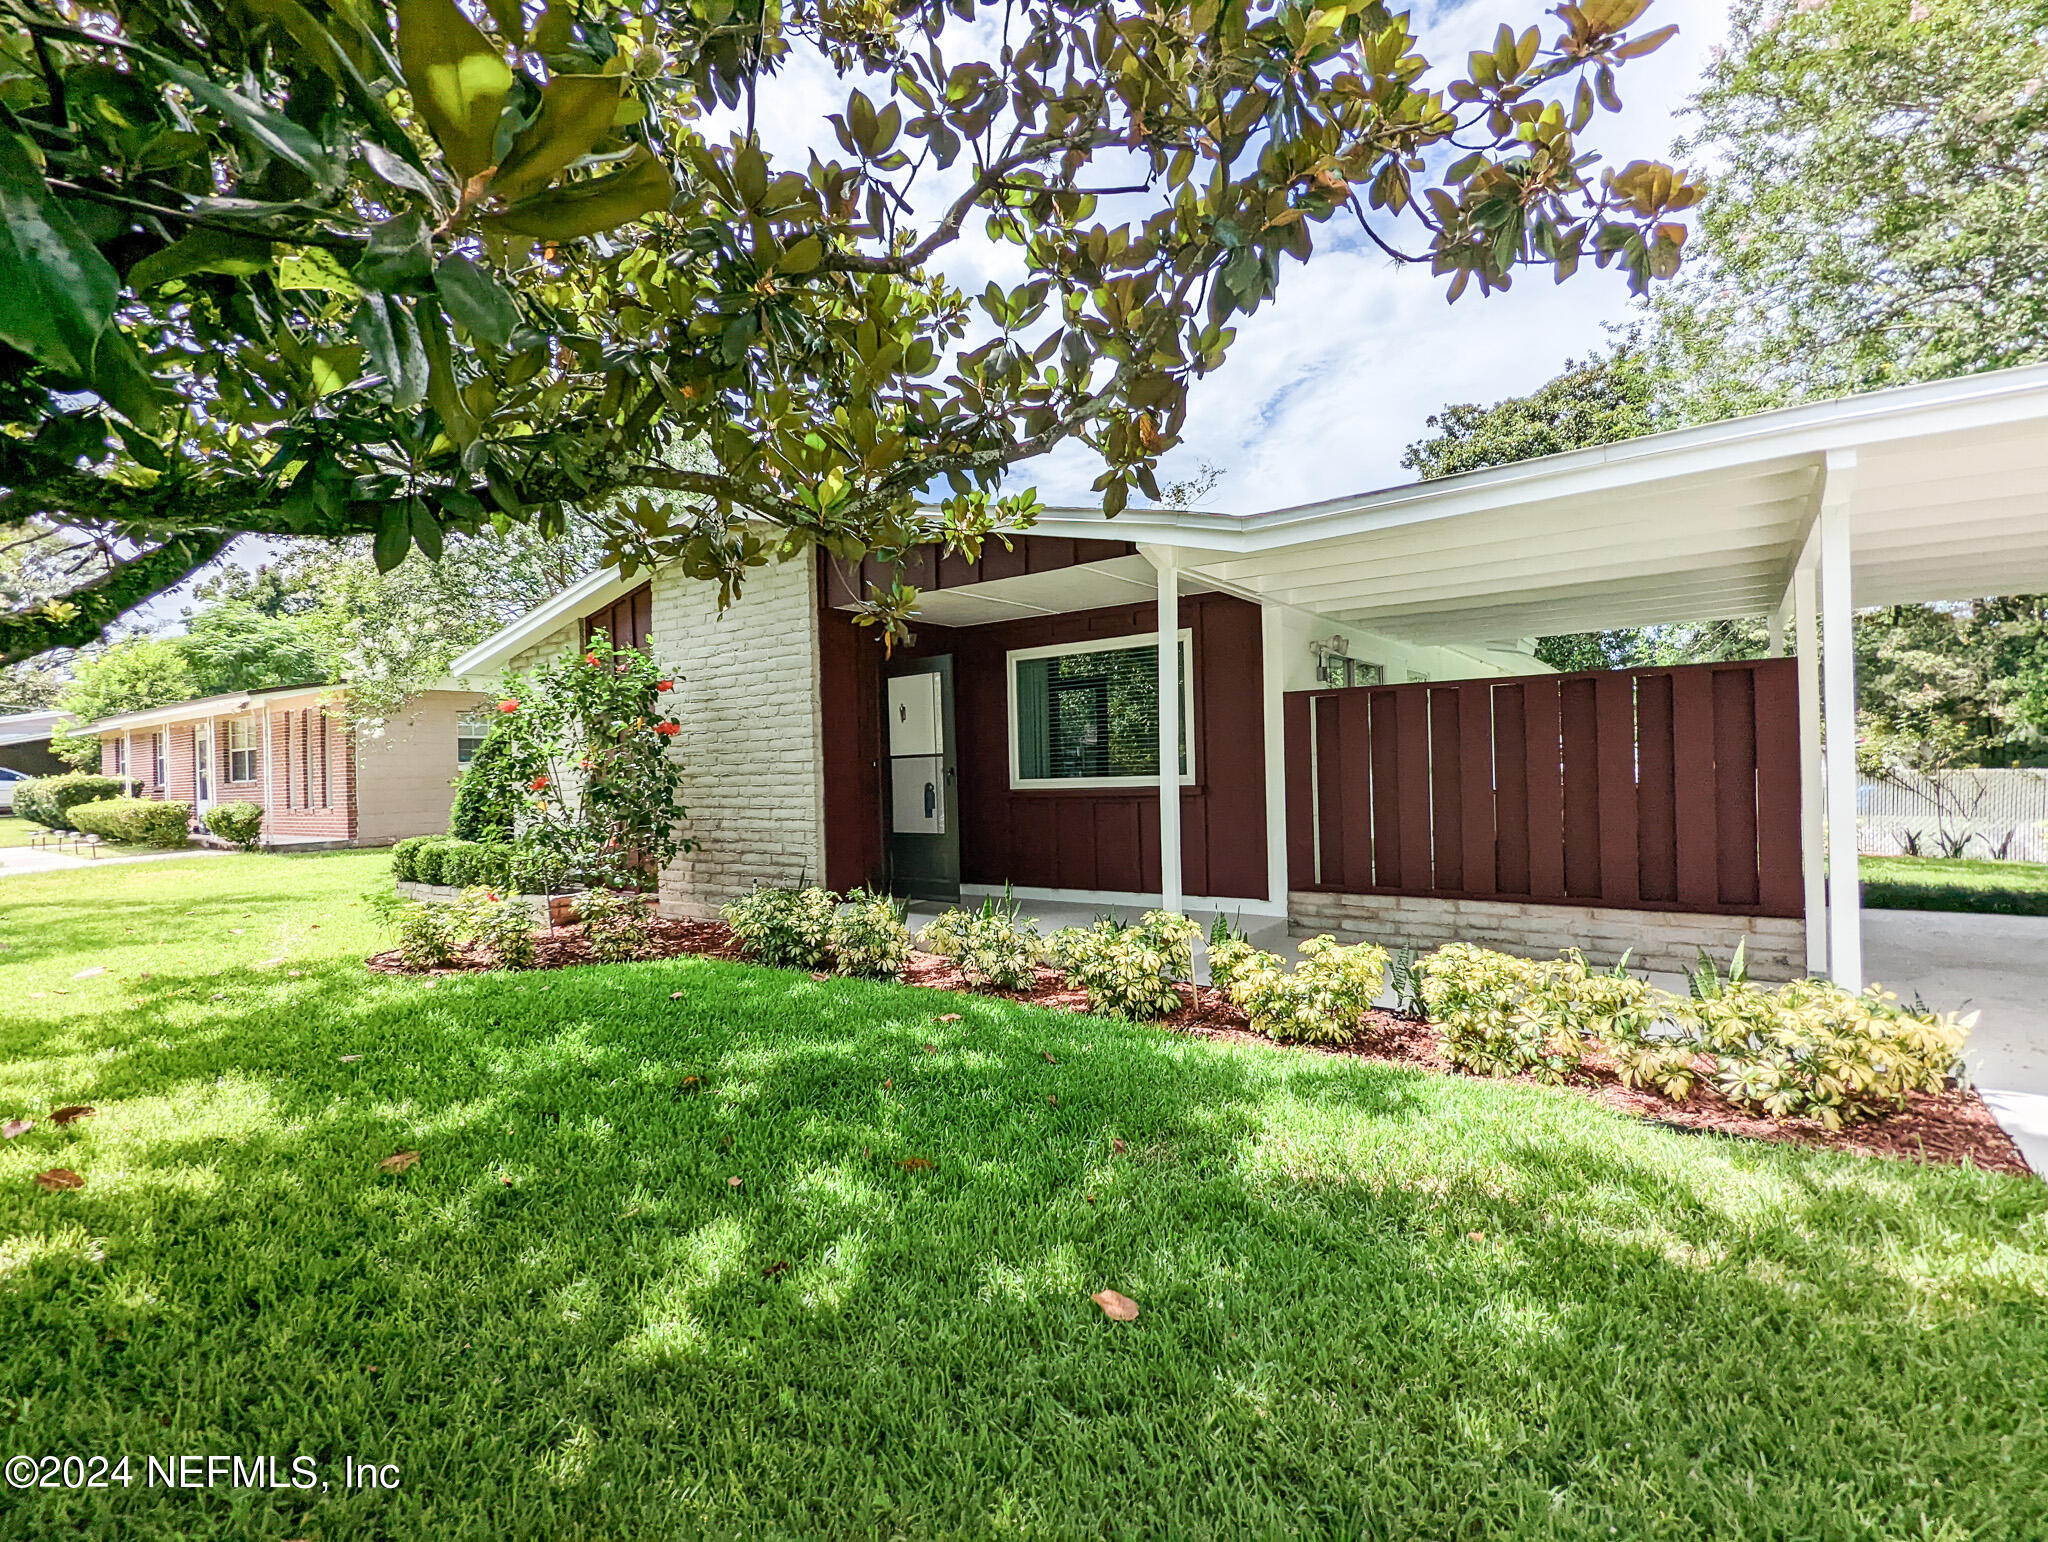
(495, 651)
(232, 704)
(1790, 434)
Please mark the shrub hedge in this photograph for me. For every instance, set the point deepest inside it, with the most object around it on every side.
(461, 864)
(49, 800)
(241, 823)
(134, 821)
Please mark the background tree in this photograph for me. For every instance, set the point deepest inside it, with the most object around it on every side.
(362, 269)
(129, 676)
(1881, 202)
(1607, 397)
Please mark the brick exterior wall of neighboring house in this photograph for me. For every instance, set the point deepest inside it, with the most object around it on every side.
(312, 776)
(752, 742)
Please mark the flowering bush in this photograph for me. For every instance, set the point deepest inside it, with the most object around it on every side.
(788, 928)
(618, 925)
(587, 767)
(499, 924)
(1129, 969)
(995, 947)
(1322, 1001)
(868, 936)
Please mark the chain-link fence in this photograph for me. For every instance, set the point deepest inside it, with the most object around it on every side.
(2000, 814)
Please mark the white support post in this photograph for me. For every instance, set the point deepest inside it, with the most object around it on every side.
(1774, 630)
(1167, 561)
(1273, 652)
(1812, 788)
(1838, 693)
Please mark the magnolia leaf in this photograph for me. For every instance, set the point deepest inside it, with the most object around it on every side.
(399, 173)
(801, 258)
(393, 345)
(394, 537)
(1116, 1306)
(71, 1113)
(60, 1178)
(399, 1161)
(733, 1183)
(949, 1017)
(458, 79)
(443, 393)
(16, 1127)
(203, 251)
(477, 302)
(917, 1164)
(576, 111)
(57, 293)
(274, 133)
(400, 257)
(315, 267)
(641, 186)
(780, 1266)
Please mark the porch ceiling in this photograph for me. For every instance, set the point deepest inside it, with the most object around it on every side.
(1948, 499)
(1087, 586)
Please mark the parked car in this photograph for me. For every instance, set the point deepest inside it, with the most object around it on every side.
(7, 780)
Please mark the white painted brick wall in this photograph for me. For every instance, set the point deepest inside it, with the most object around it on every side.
(752, 743)
(1661, 940)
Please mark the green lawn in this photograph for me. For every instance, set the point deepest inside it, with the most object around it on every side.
(1375, 1303)
(1940, 883)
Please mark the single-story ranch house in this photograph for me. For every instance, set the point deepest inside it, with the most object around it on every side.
(1349, 730)
(289, 750)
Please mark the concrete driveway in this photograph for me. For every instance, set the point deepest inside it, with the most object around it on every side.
(33, 859)
(1997, 965)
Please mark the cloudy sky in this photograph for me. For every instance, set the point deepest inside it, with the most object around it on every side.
(1324, 389)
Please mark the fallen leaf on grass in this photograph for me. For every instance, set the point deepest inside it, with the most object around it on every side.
(780, 1266)
(506, 1179)
(888, 1082)
(820, 975)
(726, 1144)
(60, 1178)
(234, 931)
(399, 1161)
(1475, 1236)
(675, 995)
(1115, 1305)
(1119, 1144)
(1048, 1057)
(14, 1127)
(1053, 1098)
(87, 974)
(931, 1049)
(270, 963)
(949, 1017)
(732, 1183)
(917, 1164)
(350, 1059)
(1089, 1197)
(70, 1113)
(38, 995)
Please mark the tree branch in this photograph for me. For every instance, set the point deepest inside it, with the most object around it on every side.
(72, 620)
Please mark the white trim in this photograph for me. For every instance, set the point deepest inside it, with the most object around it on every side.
(497, 651)
(1250, 907)
(1812, 790)
(1172, 683)
(1838, 692)
(1094, 645)
(1272, 654)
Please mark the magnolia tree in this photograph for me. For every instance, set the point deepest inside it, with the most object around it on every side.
(582, 758)
(401, 268)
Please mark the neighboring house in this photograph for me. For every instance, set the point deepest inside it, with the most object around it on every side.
(25, 743)
(287, 749)
(1356, 735)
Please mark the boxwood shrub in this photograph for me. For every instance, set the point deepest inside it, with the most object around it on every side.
(134, 821)
(442, 859)
(241, 823)
(49, 800)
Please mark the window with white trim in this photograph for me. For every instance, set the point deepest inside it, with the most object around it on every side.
(156, 769)
(121, 755)
(241, 750)
(470, 729)
(1087, 714)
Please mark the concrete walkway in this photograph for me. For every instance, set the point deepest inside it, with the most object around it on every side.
(35, 859)
(1997, 966)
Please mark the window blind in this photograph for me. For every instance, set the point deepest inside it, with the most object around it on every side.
(1092, 714)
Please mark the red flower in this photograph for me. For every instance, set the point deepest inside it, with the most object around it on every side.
(668, 730)
(508, 706)
(538, 783)
(664, 685)
(590, 658)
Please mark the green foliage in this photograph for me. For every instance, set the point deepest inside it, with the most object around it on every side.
(236, 647)
(1880, 206)
(868, 936)
(1322, 1000)
(49, 800)
(787, 928)
(1406, 981)
(1599, 400)
(1493, 1015)
(443, 859)
(134, 821)
(241, 823)
(127, 677)
(995, 946)
(500, 924)
(618, 924)
(1129, 970)
(592, 735)
(492, 788)
(429, 935)
(398, 271)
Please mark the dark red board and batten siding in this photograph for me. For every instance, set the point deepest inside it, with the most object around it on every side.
(1104, 839)
(1645, 789)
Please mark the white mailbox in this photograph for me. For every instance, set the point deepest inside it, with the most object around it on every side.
(917, 720)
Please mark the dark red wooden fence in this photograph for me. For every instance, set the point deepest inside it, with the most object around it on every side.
(1645, 789)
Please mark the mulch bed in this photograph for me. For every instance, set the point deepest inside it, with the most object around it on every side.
(1952, 1127)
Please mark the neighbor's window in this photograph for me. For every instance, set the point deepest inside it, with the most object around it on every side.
(156, 740)
(1087, 715)
(241, 750)
(470, 729)
(121, 756)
